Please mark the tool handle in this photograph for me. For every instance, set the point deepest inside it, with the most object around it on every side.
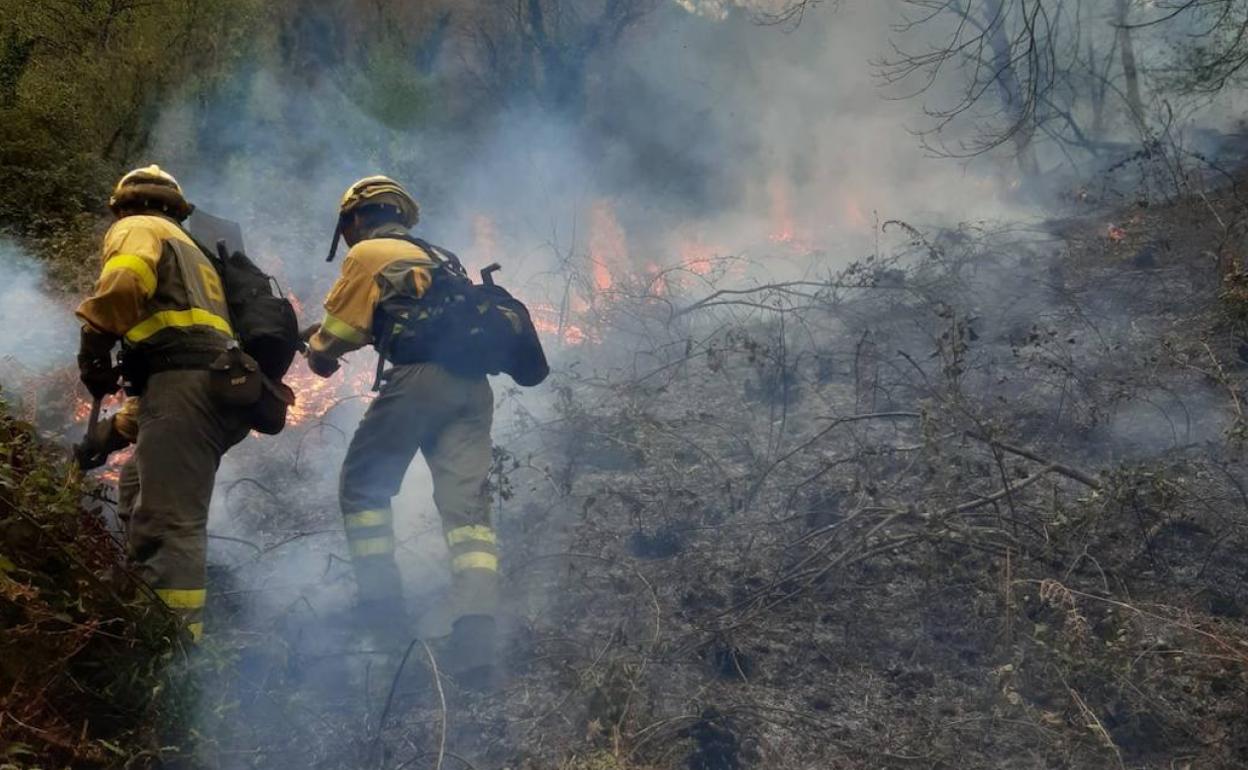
(94, 419)
(88, 456)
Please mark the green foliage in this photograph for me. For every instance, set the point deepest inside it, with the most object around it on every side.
(80, 83)
(391, 88)
(84, 647)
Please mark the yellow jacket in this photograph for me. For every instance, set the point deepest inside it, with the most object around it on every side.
(351, 303)
(130, 257)
(158, 291)
(130, 263)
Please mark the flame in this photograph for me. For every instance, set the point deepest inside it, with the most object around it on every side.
(546, 321)
(695, 254)
(577, 303)
(657, 279)
(608, 246)
(111, 473)
(315, 396)
(602, 276)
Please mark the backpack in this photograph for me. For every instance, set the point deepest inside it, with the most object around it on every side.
(470, 329)
(267, 329)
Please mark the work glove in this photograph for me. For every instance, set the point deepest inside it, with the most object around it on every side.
(95, 363)
(322, 365)
(100, 442)
(100, 376)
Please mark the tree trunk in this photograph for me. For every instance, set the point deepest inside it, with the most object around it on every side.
(1134, 103)
(1017, 103)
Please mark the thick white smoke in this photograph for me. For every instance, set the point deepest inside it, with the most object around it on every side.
(40, 331)
(705, 135)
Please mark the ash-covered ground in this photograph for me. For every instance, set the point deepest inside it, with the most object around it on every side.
(975, 501)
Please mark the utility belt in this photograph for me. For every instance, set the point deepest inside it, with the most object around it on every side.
(235, 381)
(235, 376)
(138, 365)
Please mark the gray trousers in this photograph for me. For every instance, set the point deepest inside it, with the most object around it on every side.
(423, 408)
(167, 488)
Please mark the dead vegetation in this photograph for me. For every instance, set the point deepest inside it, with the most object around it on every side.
(974, 501)
(986, 508)
(83, 654)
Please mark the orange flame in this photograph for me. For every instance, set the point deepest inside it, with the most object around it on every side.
(608, 246)
(111, 473)
(315, 396)
(657, 279)
(696, 254)
(546, 321)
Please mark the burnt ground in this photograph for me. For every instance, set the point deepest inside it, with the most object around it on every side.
(977, 501)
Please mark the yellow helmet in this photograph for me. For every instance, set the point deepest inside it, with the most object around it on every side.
(150, 187)
(381, 191)
(375, 191)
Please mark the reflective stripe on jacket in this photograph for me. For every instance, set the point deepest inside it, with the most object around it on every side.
(157, 290)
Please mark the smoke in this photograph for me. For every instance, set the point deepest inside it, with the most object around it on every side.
(704, 136)
(696, 126)
(40, 332)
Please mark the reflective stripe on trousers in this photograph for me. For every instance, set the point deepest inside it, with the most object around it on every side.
(424, 408)
(370, 540)
(474, 569)
(183, 436)
(473, 547)
(187, 603)
(370, 532)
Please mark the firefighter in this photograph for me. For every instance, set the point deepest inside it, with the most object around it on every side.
(161, 298)
(420, 407)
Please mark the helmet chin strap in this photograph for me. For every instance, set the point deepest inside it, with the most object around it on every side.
(333, 250)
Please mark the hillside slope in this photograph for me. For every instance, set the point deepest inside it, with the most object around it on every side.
(975, 503)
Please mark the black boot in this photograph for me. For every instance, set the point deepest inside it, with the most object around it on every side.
(385, 622)
(471, 658)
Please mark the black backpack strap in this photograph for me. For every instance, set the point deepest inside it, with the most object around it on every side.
(444, 257)
(380, 372)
